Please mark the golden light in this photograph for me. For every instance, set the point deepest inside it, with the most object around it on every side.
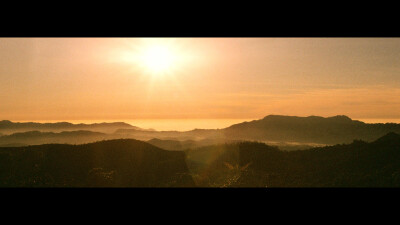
(155, 62)
(155, 58)
(158, 59)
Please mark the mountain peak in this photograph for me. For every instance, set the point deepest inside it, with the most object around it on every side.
(277, 116)
(342, 118)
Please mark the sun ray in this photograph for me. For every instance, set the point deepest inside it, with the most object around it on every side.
(156, 63)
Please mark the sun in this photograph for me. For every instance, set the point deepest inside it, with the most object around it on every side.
(155, 58)
(158, 59)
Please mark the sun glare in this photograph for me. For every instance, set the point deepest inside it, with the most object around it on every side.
(158, 59)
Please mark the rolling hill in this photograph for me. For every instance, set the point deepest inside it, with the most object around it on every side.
(113, 163)
(252, 164)
(133, 163)
(312, 130)
(289, 132)
(38, 138)
(8, 127)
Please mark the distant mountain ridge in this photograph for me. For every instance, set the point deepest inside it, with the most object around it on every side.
(278, 128)
(64, 137)
(8, 127)
(297, 120)
(312, 129)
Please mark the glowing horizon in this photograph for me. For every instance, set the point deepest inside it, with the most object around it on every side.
(93, 79)
(185, 124)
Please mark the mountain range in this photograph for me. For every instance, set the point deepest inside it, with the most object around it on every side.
(272, 129)
(311, 130)
(8, 127)
(64, 137)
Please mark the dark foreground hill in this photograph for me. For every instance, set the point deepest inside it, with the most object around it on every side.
(252, 164)
(114, 163)
(132, 163)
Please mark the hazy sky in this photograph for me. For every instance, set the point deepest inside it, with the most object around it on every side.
(235, 78)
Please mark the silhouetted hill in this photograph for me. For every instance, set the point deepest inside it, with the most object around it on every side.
(37, 137)
(8, 127)
(133, 163)
(113, 163)
(312, 129)
(251, 164)
(285, 131)
(391, 137)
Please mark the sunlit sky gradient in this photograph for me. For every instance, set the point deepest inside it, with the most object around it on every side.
(210, 78)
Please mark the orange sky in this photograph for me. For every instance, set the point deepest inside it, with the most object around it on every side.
(211, 78)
